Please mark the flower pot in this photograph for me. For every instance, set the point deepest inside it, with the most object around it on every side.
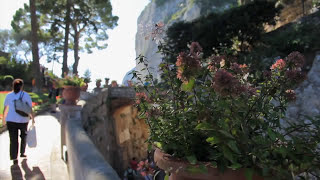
(71, 94)
(178, 169)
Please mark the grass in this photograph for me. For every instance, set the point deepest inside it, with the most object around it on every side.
(2, 97)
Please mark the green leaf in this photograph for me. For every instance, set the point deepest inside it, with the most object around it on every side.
(228, 154)
(235, 166)
(212, 140)
(203, 169)
(203, 126)
(226, 134)
(166, 177)
(188, 86)
(248, 173)
(233, 146)
(271, 134)
(158, 144)
(214, 164)
(192, 159)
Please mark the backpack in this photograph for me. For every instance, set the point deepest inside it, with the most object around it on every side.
(22, 108)
(130, 175)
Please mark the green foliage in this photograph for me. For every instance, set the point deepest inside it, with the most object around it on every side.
(39, 98)
(244, 23)
(71, 81)
(10, 69)
(87, 76)
(50, 42)
(2, 97)
(303, 37)
(211, 109)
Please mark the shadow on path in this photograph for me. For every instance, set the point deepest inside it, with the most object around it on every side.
(34, 174)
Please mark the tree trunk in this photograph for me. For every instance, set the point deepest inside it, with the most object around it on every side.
(35, 48)
(66, 39)
(302, 1)
(76, 50)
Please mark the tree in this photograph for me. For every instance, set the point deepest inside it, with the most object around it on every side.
(90, 20)
(35, 48)
(87, 76)
(49, 42)
(66, 38)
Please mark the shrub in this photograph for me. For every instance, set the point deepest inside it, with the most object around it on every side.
(213, 110)
(244, 23)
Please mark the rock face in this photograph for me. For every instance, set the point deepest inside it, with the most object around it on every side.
(307, 102)
(169, 12)
(111, 122)
(131, 134)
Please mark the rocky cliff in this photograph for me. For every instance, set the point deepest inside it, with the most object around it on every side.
(168, 12)
(307, 102)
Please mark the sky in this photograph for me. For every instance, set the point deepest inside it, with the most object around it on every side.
(113, 62)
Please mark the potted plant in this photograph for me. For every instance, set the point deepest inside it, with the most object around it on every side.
(71, 88)
(210, 118)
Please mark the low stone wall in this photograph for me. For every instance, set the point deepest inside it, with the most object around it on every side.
(84, 160)
(111, 122)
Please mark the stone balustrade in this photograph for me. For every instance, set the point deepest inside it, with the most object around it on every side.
(83, 158)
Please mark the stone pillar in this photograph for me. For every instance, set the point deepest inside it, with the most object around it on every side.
(67, 112)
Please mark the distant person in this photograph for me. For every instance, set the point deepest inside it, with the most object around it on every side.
(134, 163)
(84, 95)
(114, 83)
(97, 89)
(130, 84)
(16, 122)
(130, 174)
(106, 83)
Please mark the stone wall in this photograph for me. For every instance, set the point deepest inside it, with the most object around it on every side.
(85, 161)
(111, 122)
(99, 125)
(131, 134)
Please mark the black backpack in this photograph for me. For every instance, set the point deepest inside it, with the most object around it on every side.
(130, 175)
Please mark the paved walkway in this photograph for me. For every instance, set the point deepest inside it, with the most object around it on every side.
(42, 162)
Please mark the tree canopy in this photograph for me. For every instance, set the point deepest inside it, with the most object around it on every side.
(89, 21)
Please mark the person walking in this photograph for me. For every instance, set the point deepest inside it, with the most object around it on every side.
(16, 122)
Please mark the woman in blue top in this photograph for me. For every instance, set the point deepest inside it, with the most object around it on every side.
(16, 122)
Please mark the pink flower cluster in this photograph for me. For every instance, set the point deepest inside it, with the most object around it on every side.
(295, 60)
(141, 96)
(189, 64)
(239, 68)
(226, 84)
(280, 64)
(290, 95)
(292, 66)
(144, 167)
(214, 62)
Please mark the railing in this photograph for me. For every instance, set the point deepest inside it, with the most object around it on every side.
(84, 160)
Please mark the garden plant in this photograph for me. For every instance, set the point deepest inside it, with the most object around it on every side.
(217, 111)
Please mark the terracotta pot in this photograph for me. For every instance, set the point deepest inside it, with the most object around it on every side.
(178, 169)
(71, 94)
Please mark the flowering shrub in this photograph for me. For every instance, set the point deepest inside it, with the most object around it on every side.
(74, 80)
(214, 110)
(145, 168)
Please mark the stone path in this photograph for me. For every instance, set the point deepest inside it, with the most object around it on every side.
(43, 162)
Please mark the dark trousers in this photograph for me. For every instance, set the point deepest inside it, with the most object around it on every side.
(13, 129)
